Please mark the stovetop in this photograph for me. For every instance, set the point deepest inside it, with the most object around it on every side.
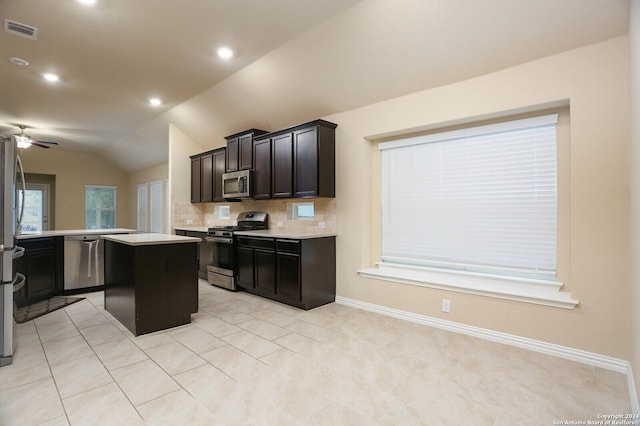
(247, 221)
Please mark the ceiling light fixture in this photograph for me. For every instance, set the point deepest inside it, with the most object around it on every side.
(155, 102)
(51, 77)
(225, 53)
(23, 141)
(18, 61)
(88, 2)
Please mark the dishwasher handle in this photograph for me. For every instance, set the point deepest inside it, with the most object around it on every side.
(84, 238)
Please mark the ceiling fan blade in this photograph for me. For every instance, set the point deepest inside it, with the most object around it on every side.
(46, 142)
(40, 145)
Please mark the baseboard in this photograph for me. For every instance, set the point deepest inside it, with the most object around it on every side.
(578, 355)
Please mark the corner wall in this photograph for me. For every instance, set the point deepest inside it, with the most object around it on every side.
(594, 80)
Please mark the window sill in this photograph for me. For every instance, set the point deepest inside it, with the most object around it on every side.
(526, 290)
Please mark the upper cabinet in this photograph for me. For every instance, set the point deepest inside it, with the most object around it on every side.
(302, 161)
(240, 150)
(314, 160)
(262, 168)
(196, 172)
(206, 176)
(298, 162)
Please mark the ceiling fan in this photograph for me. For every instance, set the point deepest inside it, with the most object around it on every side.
(25, 141)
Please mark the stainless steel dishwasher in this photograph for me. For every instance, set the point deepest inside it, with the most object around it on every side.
(83, 261)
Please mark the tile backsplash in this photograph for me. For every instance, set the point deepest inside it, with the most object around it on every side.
(202, 214)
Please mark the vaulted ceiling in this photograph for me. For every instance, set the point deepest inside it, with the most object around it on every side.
(295, 60)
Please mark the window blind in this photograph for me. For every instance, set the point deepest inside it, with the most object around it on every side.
(142, 207)
(481, 199)
(157, 206)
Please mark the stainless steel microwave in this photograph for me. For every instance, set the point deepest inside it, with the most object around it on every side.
(237, 184)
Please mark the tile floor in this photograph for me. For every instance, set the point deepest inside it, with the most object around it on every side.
(245, 360)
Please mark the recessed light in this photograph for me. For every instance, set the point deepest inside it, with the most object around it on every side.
(155, 102)
(225, 53)
(50, 77)
(18, 61)
(88, 2)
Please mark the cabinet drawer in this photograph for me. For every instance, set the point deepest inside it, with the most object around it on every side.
(33, 244)
(259, 243)
(288, 246)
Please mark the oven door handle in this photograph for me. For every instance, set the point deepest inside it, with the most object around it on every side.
(219, 240)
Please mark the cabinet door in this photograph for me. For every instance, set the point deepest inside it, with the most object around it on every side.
(196, 170)
(41, 273)
(288, 267)
(282, 166)
(245, 152)
(206, 181)
(232, 155)
(305, 160)
(262, 169)
(265, 270)
(219, 161)
(245, 265)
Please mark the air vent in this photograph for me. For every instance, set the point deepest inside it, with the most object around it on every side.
(22, 30)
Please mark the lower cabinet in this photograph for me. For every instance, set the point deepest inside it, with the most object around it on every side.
(42, 266)
(300, 273)
(205, 252)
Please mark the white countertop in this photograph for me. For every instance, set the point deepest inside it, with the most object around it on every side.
(285, 233)
(150, 239)
(64, 232)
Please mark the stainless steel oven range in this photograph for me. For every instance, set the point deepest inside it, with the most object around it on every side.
(221, 270)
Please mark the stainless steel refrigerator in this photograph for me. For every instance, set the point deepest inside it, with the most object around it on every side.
(10, 219)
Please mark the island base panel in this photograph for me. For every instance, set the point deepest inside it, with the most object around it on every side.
(156, 289)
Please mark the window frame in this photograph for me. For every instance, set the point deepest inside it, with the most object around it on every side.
(100, 209)
(548, 292)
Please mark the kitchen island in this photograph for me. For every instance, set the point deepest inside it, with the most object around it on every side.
(151, 280)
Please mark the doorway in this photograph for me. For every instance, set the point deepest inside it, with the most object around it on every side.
(38, 203)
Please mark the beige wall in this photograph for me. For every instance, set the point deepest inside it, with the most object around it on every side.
(150, 174)
(634, 39)
(73, 171)
(594, 80)
(180, 148)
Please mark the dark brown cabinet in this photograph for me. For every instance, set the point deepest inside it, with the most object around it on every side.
(302, 162)
(42, 268)
(206, 176)
(314, 161)
(282, 166)
(196, 173)
(265, 270)
(246, 267)
(150, 287)
(204, 253)
(255, 258)
(262, 169)
(219, 158)
(301, 273)
(240, 150)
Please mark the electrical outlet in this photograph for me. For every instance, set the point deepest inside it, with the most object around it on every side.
(446, 305)
(279, 224)
(189, 221)
(322, 225)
